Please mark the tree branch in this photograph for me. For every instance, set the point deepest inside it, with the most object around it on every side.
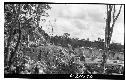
(114, 20)
(118, 13)
(114, 12)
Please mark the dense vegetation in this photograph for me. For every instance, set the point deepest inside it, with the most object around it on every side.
(75, 42)
(28, 49)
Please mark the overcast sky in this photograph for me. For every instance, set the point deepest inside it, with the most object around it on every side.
(83, 21)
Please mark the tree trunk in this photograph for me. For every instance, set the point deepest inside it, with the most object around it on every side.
(16, 48)
(18, 42)
(7, 48)
(107, 32)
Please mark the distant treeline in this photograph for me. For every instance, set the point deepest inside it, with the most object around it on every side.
(75, 42)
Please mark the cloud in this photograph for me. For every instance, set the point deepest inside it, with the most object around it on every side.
(118, 33)
(83, 12)
(65, 25)
(96, 16)
(80, 24)
(84, 21)
(69, 11)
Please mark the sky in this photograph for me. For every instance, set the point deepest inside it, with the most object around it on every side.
(82, 21)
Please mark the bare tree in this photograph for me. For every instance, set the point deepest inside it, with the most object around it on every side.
(110, 22)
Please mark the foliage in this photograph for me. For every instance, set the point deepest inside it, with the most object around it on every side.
(28, 49)
(64, 41)
(21, 25)
(51, 60)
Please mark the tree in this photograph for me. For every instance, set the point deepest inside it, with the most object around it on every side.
(99, 39)
(66, 35)
(110, 22)
(12, 29)
(65, 39)
(21, 23)
(87, 39)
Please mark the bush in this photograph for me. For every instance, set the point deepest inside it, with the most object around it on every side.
(52, 60)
